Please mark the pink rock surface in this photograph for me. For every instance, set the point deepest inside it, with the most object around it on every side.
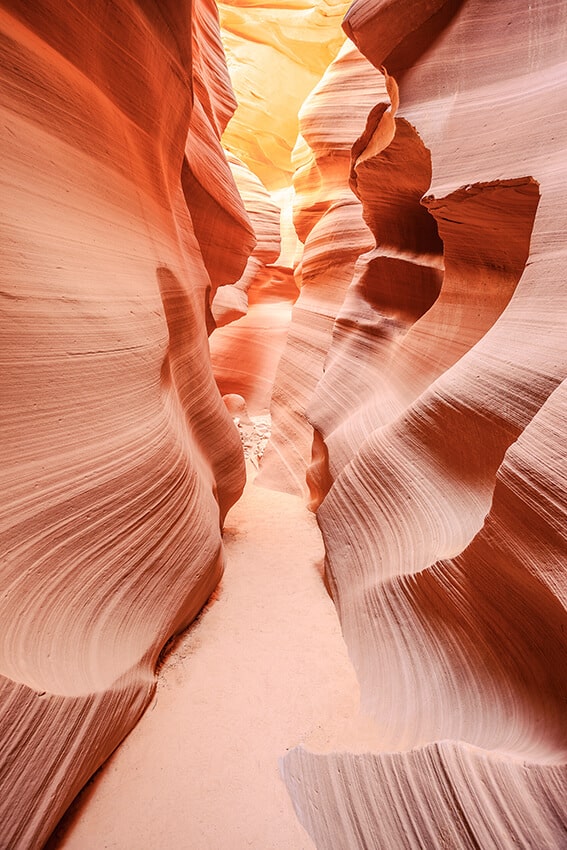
(253, 314)
(328, 219)
(231, 301)
(119, 459)
(470, 655)
(264, 667)
(441, 421)
(245, 353)
(420, 404)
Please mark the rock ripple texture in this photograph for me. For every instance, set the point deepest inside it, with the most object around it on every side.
(328, 220)
(253, 314)
(119, 460)
(439, 462)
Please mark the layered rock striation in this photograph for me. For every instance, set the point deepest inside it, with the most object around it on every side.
(119, 460)
(419, 403)
(439, 471)
(328, 220)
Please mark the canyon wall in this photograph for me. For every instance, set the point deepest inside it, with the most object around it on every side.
(328, 220)
(119, 461)
(276, 53)
(419, 404)
(253, 314)
(438, 408)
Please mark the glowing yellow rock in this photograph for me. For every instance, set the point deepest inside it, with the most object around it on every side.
(276, 54)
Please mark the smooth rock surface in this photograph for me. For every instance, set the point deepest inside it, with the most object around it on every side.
(253, 314)
(119, 460)
(276, 53)
(419, 405)
(440, 421)
(328, 219)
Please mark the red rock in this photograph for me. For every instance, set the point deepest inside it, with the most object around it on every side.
(119, 459)
(439, 439)
(419, 403)
(253, 314)
(328, 219)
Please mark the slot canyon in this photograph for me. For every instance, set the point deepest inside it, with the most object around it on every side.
(283, 399)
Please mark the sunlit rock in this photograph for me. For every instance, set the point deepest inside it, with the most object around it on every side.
(276, 53)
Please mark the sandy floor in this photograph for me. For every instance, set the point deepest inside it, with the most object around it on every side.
(263, 669)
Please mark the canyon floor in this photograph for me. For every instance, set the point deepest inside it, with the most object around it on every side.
(263, 669)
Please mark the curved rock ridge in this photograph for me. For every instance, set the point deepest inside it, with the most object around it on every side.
(500, 656)
(253, 314)
(444, 794)
(438, 461)
(276, 54)
(407, 343)
(231, 301)
(328, 219)
(225, 235)
(119, 460)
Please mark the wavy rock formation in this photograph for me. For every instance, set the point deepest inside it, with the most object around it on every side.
(231, 301)
(470, 654)
(119, 460)
(276, 54)
(419, 404)
(328, 219)
(440, 414)
(253, 314)
(265, 43)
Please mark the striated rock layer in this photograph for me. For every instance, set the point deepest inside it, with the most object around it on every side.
(420, 402)
(253, 314)
(328, 219)
(276, 54)
(119, 460)
(440, 436)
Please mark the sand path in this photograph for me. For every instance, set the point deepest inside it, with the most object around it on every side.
(263, 669)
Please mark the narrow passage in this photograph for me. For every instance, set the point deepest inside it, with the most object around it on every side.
(263, 669)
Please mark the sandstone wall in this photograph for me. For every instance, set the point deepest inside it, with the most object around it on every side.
(119, 460)
(276, 53)
(439, 424)
(253, 314)
(328, 220)
(419, 404)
